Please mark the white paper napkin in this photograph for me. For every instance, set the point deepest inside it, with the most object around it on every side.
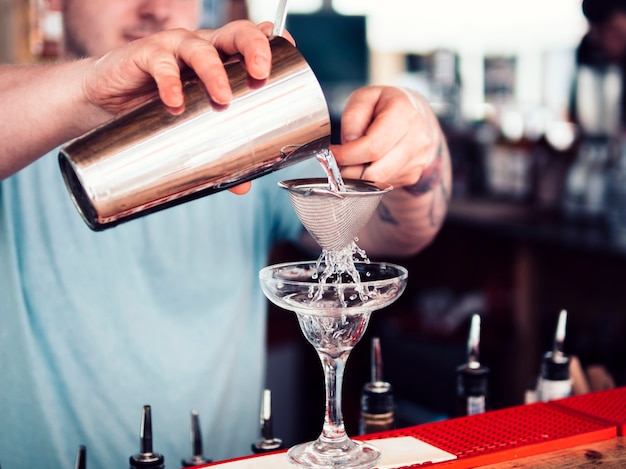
(396, 452)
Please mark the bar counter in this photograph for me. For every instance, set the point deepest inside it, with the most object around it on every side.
(579, 431)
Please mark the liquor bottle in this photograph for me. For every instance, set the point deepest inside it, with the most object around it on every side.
(555, 382)
(377, 401)
(268, 442)
(195, 437)
(472, 378)
(81, 458)
(146, 458)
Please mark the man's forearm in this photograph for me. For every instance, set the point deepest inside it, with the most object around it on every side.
(408, 218)
(42, 107)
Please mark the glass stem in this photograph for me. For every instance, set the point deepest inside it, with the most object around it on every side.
(333, 429)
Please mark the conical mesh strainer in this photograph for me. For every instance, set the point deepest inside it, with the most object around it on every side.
(334, 218)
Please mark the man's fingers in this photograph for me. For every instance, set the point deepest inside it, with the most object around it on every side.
(242, 188)
(205, 60)
(245, 38)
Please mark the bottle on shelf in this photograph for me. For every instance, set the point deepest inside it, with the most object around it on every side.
(472, 378)
(377, 401)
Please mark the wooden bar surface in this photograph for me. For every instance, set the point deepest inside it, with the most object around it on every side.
(606, 454)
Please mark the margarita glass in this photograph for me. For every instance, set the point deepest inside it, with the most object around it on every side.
(333, 316)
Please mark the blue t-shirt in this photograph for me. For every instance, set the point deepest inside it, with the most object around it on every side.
(164, 310)
(214, 13)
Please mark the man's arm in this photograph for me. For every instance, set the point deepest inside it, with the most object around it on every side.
(409, 218)
(391, 135)
(43, 106)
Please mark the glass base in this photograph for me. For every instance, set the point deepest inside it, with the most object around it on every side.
(338, 454)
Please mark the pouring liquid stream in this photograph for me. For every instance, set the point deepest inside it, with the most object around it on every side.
(338, 263)
(329, 164)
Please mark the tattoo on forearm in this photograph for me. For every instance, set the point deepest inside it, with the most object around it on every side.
(385, 214)
(441, 190)
(431, 180)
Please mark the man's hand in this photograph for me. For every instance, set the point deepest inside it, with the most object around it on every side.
(388, 135)
(131, 75)
(84, 94)
(391, 135)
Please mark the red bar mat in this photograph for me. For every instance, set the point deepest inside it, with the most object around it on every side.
(609, 406)
(516, 432)
(507, 434)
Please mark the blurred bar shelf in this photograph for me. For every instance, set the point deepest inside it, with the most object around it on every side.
(527, 223)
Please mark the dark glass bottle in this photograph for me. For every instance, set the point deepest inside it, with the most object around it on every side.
(377, 401)
(472, 389)
(146, 458)
(472, 378)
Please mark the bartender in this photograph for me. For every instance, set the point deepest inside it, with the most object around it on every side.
(166, 311)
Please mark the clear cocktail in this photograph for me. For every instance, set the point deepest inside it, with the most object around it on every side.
(333, 316)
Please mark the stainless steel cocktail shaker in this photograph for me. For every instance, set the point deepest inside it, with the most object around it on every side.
(148, 159)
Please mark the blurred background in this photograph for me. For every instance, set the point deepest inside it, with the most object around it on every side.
(537, 220)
